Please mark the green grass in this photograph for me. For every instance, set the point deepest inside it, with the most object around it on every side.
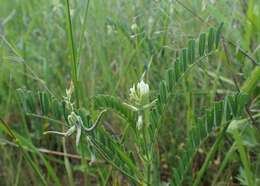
(198, 125)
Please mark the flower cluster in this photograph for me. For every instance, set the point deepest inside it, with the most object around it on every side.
(139, 92)
(139, 95)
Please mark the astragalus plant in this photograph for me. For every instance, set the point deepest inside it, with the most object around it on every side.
(121, 137)
(144, 109)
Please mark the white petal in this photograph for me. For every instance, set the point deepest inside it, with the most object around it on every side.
(142, 88)
(139, 123)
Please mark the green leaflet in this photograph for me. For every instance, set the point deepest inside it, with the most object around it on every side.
(169, 79)
(110, 102)
(182, 64)
(191, 51)
(211, 39)
(44, 102)
(56, 108)
(218, 34)
(49, 106)
(116, 156)
(184, 59)
(221, 112)
(177, 69)
(202, 42)
(163, 92)
(27, 100)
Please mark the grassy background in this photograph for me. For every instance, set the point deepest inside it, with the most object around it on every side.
(35, 55)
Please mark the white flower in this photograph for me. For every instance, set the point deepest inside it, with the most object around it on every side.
(137, 92)
(142, 88)
(134, 27)
(139, 123)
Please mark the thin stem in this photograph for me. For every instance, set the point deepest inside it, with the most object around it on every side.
(49, 152)
(47, 118)
(95, 124)
(250, 84)
(83, 28)
(229, 64)
(67, 163)
(224, 163)
(73, 52)
(244, 158)
(209, 157)
(55, 132)
(147, 142)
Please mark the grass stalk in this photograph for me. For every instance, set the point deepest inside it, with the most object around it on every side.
(74, 66)
(67, 164)
(224, 163)
(83, 29)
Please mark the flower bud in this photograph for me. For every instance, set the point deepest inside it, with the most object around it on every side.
(142, 88)
(139, 91)
(139, 123)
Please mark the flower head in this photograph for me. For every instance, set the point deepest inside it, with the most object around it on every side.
(139, 91)
(142, 88)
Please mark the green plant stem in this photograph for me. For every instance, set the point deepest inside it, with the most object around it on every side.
(67, 163)
(83, 28)
(147, 142)
(228, 155)
(248, 26)
(209, 157)
(244, 158)
(73, 52)
(148, 173)
(146, 163)
(251, 83)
